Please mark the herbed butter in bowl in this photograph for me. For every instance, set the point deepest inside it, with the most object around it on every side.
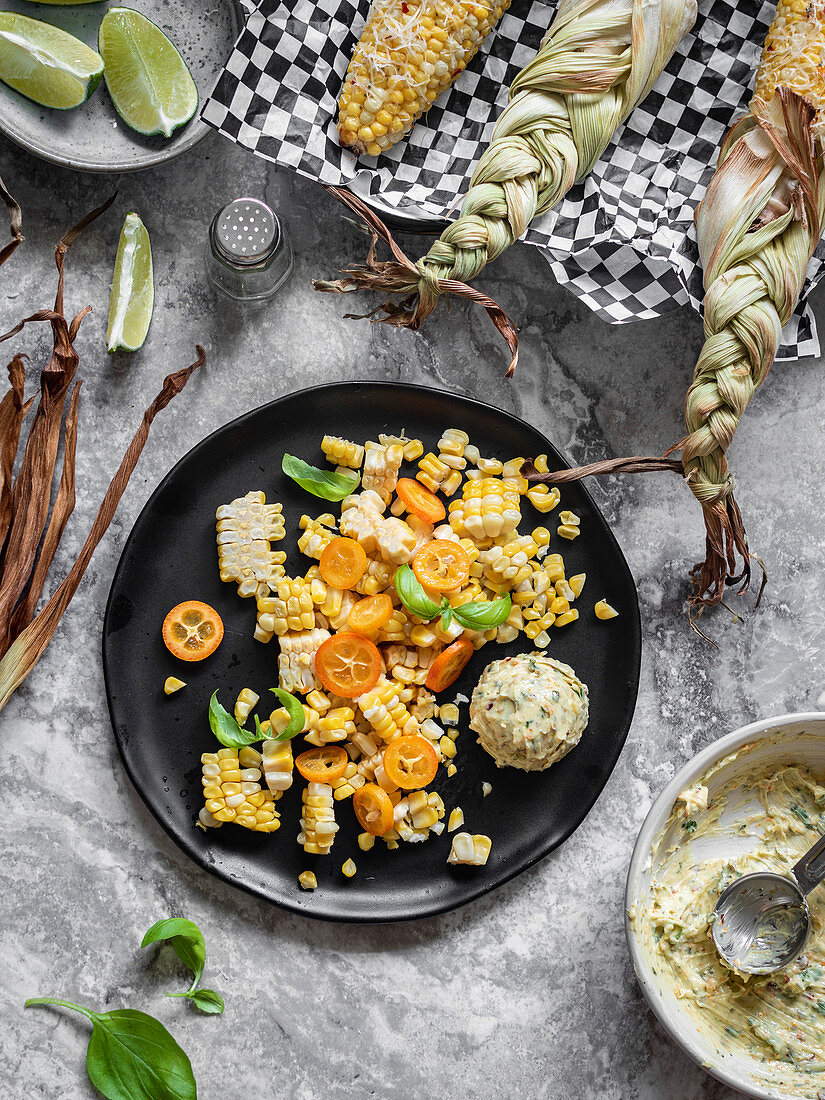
(754, 800)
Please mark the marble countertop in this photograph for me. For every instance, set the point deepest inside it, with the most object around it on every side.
(528, 991)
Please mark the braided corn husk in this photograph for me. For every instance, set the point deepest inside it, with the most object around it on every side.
(598, 60)
(757, 227)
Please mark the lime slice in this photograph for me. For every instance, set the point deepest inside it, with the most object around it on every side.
(48, 65)
(133, 289)
(152, 89)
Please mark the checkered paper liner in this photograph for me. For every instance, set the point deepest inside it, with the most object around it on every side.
(623, 240)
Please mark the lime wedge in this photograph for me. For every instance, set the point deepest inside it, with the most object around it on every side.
(48, 65)
(133, 289)
(150, 85)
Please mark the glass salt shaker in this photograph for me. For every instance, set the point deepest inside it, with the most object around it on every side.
(249, 257)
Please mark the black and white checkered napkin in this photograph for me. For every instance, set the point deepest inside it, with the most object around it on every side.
(623, 240)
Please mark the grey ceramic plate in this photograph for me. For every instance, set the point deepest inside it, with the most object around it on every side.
(93, 138)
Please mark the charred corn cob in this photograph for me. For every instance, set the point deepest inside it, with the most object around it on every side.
(342, 452)
(318, 826)
(296, 660)
(472, 850)
(410, 51)
(234, 794)
(246, 527)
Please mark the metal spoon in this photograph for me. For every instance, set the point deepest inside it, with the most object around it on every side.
(762, 921)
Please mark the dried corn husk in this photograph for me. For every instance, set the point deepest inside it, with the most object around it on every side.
(599, 59)
(15, 224)
(30, 530)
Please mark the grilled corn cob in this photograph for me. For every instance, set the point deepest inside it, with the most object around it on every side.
(246, 527)
(234, 794)
(410, 51)
(318, 826)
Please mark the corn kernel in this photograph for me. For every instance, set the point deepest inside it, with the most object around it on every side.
(568, 531)
(366, 841)
(604, 610)
(567, 617)
(447, 746)
(172, 684)
(349, 868)
(452, 770)
(413, 449)
(456, 820)
(577, 584)
(448, 714)
(540, 462)
(486, 788)
(307, 880)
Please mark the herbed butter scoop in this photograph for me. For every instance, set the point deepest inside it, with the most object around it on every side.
(762, 920)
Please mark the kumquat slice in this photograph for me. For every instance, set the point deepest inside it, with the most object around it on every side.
(441, 565)
(343, 563)
(192, 630)
(322, 765)
(373, 808)
(348, 664)
(369, 615)
(410, 762)
(448, 666)
(418, 500)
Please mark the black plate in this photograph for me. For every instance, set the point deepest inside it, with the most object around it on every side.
(170, 556)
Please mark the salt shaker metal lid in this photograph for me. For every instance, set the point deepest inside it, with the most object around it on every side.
(246, 232)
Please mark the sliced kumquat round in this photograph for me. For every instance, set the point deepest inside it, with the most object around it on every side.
(348, 664)
(373, 808)
(448, 666)
(192, 630)
(418, 499)
(441, 565)
(369, 615)
(343, 563)
(410, 762)
(322, 765)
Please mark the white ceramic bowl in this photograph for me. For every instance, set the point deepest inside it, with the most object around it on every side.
(803, 741)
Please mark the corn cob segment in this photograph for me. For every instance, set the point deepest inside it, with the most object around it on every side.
(792, 57)
(290, 608)
(385, 712)
(234, 793)
(246, 527)
(296, 660)
(318, 827)
(469, 849)
(410, 51)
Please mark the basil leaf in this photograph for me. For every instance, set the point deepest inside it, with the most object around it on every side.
(186, 940)
(483, 616)
(227, 730)
(295, 709)
(446, 613)
(321, 483)
(131, 1056)
(412, 594)
(207, 1001)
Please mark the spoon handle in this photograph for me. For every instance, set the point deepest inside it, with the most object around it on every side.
(810, 870)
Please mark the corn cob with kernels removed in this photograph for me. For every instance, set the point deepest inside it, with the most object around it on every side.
(410, 51)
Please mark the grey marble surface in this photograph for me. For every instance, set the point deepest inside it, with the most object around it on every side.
(529, 991)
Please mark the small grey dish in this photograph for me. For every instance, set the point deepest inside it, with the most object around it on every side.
(93, 137)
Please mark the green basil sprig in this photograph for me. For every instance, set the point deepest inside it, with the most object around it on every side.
(229, 733)
(321, 483)
(483, 616)
(131, 1056)
(472, 616)
(412, 595)
(186, 940)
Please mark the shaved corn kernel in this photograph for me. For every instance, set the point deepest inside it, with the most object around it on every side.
(246, 702)
(470, 850)
(567, 617)
(568, 531)
(456, 819)
(348, 868)
(307, 880)
(604, 610)
(172, 684)
(570, 518)
(486, 788)
(366, 841)
(448, 713)
(451, 770)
